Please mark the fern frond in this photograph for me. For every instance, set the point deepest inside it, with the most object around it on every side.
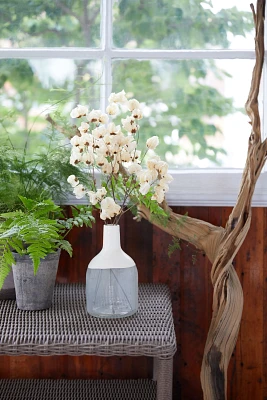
(6, 260)
(65, 245)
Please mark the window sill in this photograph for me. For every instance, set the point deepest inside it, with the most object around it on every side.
(206, 188)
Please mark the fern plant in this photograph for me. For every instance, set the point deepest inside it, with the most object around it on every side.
(37, 229)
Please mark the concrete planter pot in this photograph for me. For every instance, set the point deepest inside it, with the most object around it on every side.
(35, 292)
(8, 290)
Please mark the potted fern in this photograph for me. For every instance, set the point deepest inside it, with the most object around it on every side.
(31, 239)
(38, 176)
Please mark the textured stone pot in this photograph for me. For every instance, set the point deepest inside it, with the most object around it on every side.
(8, 289)
(35, 292)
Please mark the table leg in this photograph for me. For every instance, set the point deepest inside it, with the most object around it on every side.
(163, 373)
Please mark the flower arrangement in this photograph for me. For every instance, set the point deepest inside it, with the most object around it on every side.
(113, 150)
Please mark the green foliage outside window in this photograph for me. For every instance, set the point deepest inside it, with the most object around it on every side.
(177, 93)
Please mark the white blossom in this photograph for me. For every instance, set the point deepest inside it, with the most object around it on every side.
(112, 129)
(79, 111)
(107, 168)
(118, 97)
(92, 197)
(99, 132)
(137, 114)
(131, 146)
(75, 158)
(147, 176)
(73, 180)
(88, 158)
(152, 162)
(84, 127)
(94, 116)
(109, 208)
(97, 196)
(152, 142)
(115, 167)
(75, 141)
(112, 109)
(79, 191)
(163, 186)
(86, 140)
(162, 167)
(125, 156)
(100, 160)
(133, 104)
(159, 197)
(136, 155)
(103, 119)
(134, 168)
(144, 188)
(167, 178)
(129, 124)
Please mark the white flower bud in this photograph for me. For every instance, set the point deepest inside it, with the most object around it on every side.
(118, 97)
(133, 104)
(152, 142)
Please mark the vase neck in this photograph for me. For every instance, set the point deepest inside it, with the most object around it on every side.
(111, 237)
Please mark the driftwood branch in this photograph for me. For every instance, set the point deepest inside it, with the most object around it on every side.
(221, 245)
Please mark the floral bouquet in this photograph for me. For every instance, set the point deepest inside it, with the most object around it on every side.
(128, 176)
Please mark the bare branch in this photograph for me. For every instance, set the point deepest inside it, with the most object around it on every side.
(68, 10)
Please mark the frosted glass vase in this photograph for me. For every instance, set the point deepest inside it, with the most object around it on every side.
(112, 279)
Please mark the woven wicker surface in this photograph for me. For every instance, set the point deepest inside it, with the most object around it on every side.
(29, 389)
(66, 328)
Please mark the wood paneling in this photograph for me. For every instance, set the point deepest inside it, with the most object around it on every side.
(187, 274)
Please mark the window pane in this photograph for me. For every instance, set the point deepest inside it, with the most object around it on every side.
(196, 107)
(182, 24)
(36, 23)
(32, 89)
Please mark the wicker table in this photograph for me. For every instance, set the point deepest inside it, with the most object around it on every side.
(66, 328)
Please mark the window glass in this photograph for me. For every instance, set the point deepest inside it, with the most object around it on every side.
(182, 24)
(195, 106)
(32, 90)
(57, 23)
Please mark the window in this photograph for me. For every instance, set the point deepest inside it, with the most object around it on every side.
(190, 61)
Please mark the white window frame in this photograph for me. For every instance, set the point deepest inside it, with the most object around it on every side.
(191, 187)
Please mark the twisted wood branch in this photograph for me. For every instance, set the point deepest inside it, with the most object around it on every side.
(221, 245)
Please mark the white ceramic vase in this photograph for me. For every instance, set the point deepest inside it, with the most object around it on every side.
(112, 279)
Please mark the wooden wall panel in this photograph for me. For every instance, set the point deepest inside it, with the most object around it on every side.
(187, 274)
